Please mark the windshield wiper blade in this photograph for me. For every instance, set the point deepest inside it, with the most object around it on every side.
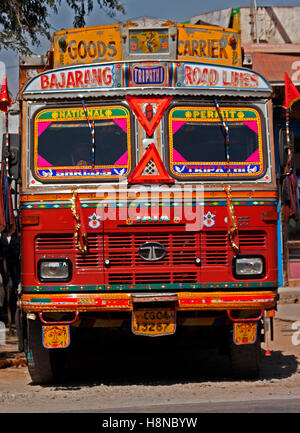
(226, 130)
(92, 129)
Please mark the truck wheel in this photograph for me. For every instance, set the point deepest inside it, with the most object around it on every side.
(44, 365)
(19, 321)
(245, 359)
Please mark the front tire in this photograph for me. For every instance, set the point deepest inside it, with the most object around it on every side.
(44, 365)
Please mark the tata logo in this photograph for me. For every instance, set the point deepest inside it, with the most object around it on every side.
(148, 220)
(149, 75)
(152, 251)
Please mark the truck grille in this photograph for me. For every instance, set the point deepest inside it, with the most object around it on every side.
(157, 278)
(54, 242)
(127, 267)
(122, 249)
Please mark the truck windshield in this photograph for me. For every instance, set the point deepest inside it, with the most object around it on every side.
(63, 143)
(197, 145)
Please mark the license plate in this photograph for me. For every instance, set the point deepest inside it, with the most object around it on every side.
(244, 333)
(154, 322)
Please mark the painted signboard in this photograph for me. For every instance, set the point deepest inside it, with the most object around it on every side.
(89, 45)
(215, 77)
(83, 77)
(179, 75)
(209, 44)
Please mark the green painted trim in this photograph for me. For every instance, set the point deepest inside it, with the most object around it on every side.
(43, 300)
(68, 205)
(147, 287)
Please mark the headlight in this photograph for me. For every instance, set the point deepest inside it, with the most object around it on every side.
(54, 270)
(249, 267)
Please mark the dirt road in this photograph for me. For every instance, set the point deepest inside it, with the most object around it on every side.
(139, 385)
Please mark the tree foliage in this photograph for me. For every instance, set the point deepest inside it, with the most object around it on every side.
(25, 22)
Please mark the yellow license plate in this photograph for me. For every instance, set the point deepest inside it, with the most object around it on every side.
(154, 322)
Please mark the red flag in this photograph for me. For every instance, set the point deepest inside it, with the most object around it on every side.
(291, 93)
(5, 100)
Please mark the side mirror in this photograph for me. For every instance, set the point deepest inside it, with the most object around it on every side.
(283, 147)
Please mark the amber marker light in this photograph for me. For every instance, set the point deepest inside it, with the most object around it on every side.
(30, 220)
(270, 216)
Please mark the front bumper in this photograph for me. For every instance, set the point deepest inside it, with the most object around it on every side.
(184, 301)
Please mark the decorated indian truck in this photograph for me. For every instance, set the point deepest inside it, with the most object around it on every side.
(149, 193)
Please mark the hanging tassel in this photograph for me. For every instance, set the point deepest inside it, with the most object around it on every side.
(232, 232)
(80, 233)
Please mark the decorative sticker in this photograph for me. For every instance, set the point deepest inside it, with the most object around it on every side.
(244, 333)
(197, 142)
(149, 41)
(63, 146)
(95, 221)
(149, 111)
(56, 336)
(149, 74)
(209, 220)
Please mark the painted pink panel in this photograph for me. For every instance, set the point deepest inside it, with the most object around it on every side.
(42, 126)
(177, 124)
(294, 269)
(123, 160)
(177, 157)
(252, 124)
(254, 157)
(42, 162)
(122, 123)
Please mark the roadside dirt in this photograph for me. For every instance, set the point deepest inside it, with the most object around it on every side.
(131, 382)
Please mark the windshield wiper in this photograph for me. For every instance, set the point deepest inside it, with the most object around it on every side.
(92, 129)
(226, 130)
(232, 231)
